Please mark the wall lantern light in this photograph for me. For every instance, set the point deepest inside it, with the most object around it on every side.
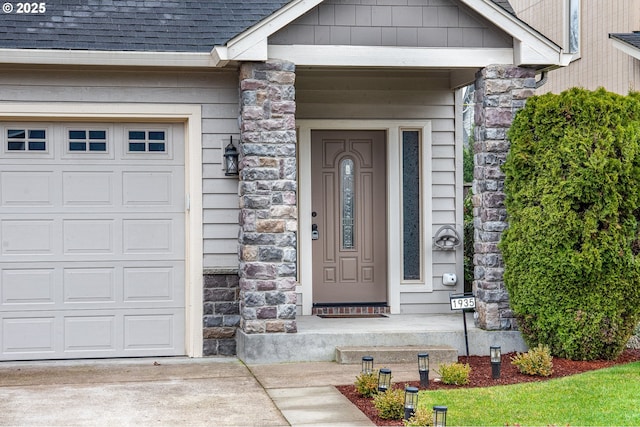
(439, 416)
(367, 364)
(384, 380)
(410, 401)
(423, 368)
(231, 159)
(496, 361)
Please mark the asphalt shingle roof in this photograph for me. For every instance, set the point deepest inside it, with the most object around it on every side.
(136, 25)
(632, 39)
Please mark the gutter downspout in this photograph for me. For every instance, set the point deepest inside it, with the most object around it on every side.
(543, 79)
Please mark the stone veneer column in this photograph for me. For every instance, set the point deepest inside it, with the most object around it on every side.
(268, 202)
(500, 92)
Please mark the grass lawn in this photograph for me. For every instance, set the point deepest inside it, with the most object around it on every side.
(607, 397)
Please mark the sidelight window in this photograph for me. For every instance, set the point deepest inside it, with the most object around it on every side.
(411, 202)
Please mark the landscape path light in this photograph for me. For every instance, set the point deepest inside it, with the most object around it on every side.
(423, 369)
(410, 401)
(367, 364)
(439, 416)
(384, 380)
(496, 361)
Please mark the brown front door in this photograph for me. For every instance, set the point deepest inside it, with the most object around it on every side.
(349, 244)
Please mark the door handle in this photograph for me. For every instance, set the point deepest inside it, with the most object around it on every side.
(315, 235)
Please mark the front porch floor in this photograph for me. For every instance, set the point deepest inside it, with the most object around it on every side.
(317, 338)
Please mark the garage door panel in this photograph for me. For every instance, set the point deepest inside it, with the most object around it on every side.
(28, 336)
(147, 188)
(27, 188)
(89, 285)
(28, 286)
(90, 333)
(92, 242)
(74, 188)
(143, 331)
(85, 188)
(27, 237)
(152, 284)
(89, 236)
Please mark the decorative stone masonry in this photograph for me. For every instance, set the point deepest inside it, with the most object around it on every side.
(500, 92)
(268, 202)
(221, 312)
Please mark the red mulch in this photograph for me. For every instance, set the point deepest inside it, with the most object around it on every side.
(481, 377)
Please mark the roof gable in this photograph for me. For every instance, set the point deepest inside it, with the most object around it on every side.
(447, 23)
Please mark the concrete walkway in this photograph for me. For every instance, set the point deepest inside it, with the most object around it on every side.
(179, 392)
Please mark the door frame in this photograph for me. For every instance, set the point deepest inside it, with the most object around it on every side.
(191, 116)
(393, 129)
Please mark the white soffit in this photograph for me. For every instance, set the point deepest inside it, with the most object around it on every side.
(530, 47)
(626, 48)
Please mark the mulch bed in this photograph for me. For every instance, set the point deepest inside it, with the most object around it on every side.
(481, 377)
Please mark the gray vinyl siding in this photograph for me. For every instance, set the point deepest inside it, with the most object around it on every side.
(443, 23)
(215, 91)
(399, 95)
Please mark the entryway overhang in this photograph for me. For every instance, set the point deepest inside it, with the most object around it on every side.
(530, 48)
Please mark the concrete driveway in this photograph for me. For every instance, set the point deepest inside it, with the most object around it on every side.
(134, 392)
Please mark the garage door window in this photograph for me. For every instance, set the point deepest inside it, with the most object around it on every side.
(26, 140)
(147, 141)
(87, 141)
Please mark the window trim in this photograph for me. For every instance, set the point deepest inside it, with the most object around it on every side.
(26, 153)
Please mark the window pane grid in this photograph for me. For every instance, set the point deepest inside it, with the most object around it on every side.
(147, 141)
(26, 140)
(83, 140)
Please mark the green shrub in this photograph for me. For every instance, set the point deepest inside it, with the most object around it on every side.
(454, 373)
(422, 417)
(367, 384)
(390, 404)
(537, 361)
(572, 185)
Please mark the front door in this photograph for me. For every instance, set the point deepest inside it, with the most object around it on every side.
(349, 244)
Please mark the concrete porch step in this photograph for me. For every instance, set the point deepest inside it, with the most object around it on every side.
(396, 354)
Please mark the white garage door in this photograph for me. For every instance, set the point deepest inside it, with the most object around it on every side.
(92, 232)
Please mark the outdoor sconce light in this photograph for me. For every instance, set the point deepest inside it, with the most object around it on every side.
(439, 416)
(495, 361)
(423, 368)
(410, 401)
(367, 364)
(231, 159)
(384, 380)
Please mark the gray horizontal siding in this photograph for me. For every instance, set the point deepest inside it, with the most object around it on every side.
(443, 23)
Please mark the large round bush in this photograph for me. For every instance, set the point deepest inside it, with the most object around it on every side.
(572, 182)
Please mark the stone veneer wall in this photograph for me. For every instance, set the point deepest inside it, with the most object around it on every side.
(268, 200)
(221, 312)
(500, 92)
